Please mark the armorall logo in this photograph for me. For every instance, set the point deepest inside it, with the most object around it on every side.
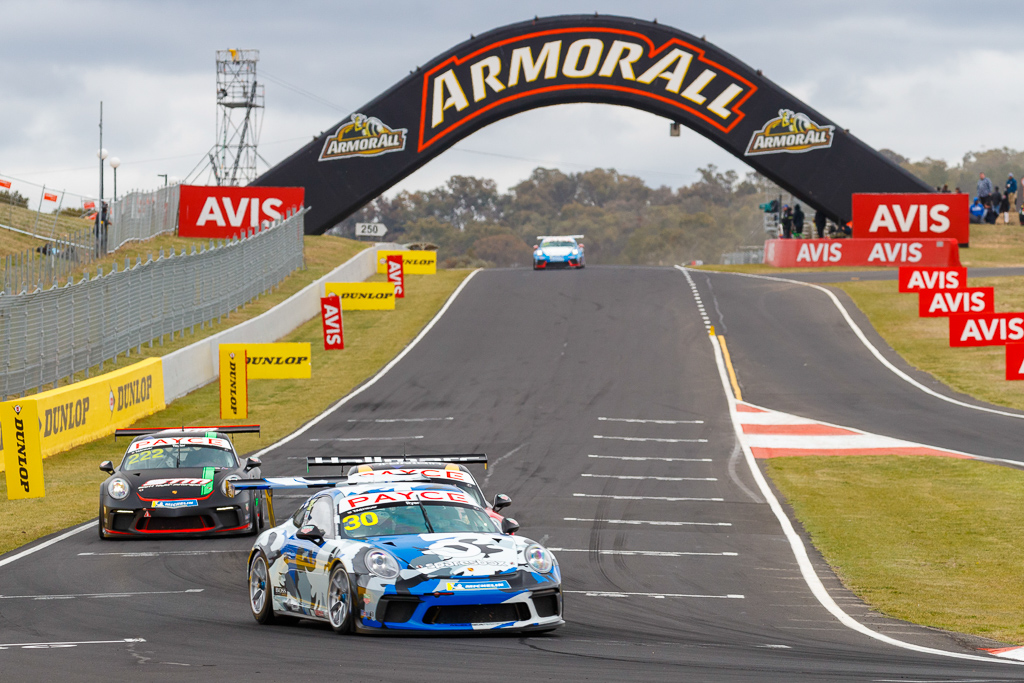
(363, 136)
(790, 132)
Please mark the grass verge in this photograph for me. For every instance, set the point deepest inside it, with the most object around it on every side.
(933, 541)
(372, 338)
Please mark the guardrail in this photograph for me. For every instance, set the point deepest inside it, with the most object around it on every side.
(50, 335)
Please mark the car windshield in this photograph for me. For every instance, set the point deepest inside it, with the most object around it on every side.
(175, 456)
(415, 518)
(558, 243)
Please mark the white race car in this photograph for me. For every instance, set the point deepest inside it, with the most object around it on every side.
(558, 251)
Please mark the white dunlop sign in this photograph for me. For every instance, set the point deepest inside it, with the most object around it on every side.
(370, 230)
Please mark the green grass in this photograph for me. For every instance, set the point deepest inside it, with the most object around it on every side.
(934, 541)
(372, 338)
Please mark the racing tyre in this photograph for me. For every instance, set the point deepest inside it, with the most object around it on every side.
(261, 601)
(339, 600)
(257, 523)
(99, 525)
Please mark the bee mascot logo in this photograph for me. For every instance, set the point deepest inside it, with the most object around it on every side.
(790, 132)
(363, 136)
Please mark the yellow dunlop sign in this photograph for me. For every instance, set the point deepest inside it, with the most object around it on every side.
(234, 385)
(364, 296)
(23, 453)
(282, 360)
(414, 262)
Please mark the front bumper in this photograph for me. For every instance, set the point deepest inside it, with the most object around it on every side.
(209, 518)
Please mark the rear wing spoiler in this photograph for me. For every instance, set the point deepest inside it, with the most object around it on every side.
(223, 429)
(546, 237)
(276, 483)
(351, 460)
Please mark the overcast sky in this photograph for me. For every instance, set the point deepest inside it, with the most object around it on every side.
(929, 78)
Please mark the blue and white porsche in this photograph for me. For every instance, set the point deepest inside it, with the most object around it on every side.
(558, 251)
(374, 557)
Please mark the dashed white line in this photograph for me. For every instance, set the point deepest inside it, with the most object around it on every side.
(405, 419)
(372, 438)
(647, 438)
(672, 500)
(657, 422)
(643, 553)
(72, 596)
(630, 457)
(631, 476)
(76, 643)
(652, 523)
(656, 596)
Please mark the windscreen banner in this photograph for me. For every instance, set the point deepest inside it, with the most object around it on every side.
(216, 212)
(799, 253)
(912, 216)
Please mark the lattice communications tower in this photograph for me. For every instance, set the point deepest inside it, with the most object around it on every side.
(239, 118)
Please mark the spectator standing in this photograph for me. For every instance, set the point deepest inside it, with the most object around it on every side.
(992, 208)
(819, 223)
(787, 222)
(1004, 207)
(1011, 193)
(945, 188)
(985, 190)
(798, 221)
(959, 191)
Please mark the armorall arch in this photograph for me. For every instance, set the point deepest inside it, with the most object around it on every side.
(568, 59)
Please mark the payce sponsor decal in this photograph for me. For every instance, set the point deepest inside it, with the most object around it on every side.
(791, 132)
(363, 136)
(675, 72)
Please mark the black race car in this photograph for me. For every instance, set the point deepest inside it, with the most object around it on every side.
(174, 482)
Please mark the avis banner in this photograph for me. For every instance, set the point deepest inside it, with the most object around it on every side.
(396, 274)
(234, 382)
(941, 303)
(986, 329)
(912, 216)
(364, 296)
(330, 313)
(796, 253)
(912, 279)
(220, 212)
(1015, 361)
(413, 262)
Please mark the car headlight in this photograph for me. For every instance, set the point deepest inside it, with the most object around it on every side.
(539, 559)
(225, 486)
(382, 564)
(118, 488)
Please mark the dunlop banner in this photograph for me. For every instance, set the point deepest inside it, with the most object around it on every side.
(282, 360)
(234, 382)
(414, 262)
(364, 296)
(23, 455)
(94, 408)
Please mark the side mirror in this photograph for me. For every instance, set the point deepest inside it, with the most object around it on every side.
(509, 526)
(107, 466)
(536, 247)
(310, 532)
(252, 463)
(579, 244)
(501, 501)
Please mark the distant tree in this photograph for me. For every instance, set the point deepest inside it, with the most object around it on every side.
(502, 250)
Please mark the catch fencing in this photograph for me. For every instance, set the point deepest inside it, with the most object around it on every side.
(50, 335)
(141, 215)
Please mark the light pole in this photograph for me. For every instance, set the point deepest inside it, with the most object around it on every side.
(114, 163)
(164, 176)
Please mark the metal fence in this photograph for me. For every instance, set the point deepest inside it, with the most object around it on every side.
(52, 264)
(50, 335)
(141, 215)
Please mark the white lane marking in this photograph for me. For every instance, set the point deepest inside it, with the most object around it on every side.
(631, 476)
(601, 495)
(796, 543)
(490, 469)
(629, 457)
(825, 442)
(405, 419)
(878, 355)
(642, 438)
(376, 378)
(652, 523)
(644, 553)
(775, 647)
(156, 553)
(72, 596)
(47, 544)
(70, 643)
(657, 596)
(657, 422)
(371, 438)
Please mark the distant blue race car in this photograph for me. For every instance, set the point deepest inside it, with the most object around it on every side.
(558, 251)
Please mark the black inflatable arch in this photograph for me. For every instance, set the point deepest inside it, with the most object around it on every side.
(559, 60)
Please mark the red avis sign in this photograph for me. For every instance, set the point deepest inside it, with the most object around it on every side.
(986, 329)
(923, 279)
(396, 274)
(223, 212)
(911, 216)
(330, 311)
(791, 253)
(1015, 361)
(941, 303)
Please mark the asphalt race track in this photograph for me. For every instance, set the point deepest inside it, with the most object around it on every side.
(676, 568)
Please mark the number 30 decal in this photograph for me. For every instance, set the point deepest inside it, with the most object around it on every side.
(353, 522)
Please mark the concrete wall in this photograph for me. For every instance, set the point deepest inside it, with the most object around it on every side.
(194, 366)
